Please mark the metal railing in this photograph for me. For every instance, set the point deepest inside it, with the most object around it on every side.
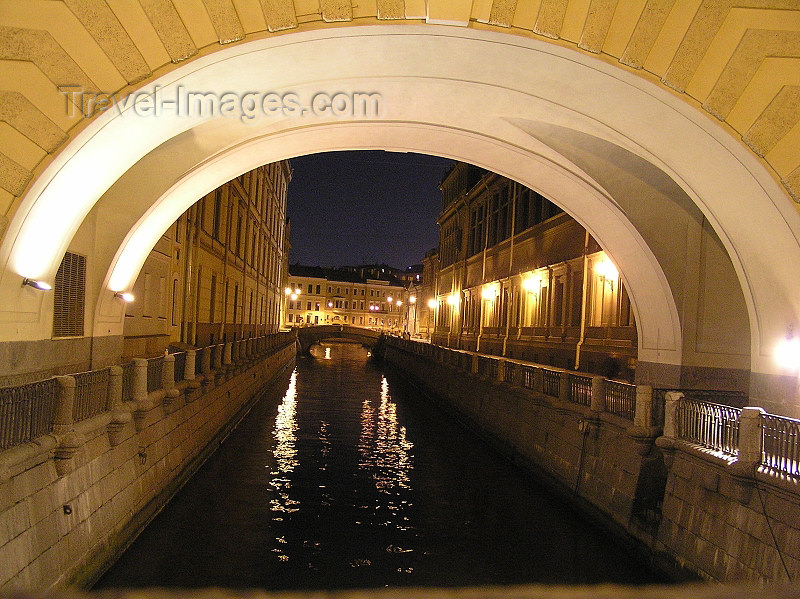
(710, 425)
(91, 394)
(127, 382)
(621, 399)
(551, 382)
(580, 389)
(26, 412)
(180, 366)
(781, 444)
(155, 368)
(487, 367)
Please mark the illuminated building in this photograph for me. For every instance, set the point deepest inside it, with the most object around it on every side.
(218, 273)
(344, 296)
(512, 268)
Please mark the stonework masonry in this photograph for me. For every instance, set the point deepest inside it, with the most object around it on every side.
(72, 501)
(686, 510)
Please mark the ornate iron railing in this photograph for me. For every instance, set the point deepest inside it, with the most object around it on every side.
(711, 425)
(26, 412)
(621, 399)
(91, 394)
(781, 444)
(127, 382)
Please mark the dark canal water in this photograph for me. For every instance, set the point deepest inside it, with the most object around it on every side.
(347, 479)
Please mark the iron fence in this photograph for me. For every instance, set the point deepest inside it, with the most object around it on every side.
(781, 444)
(26, 412)
(91, 394)
(621, 399)
(550, 382)
(580, 389)
(487, 367)
(155, 368)
(127, 382)
(710, 425)
(180, 366)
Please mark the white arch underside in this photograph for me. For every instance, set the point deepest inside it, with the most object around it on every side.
(458, 93)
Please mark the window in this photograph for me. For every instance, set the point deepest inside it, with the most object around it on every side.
(213, 298)
(318, 289)
(311, 288)
(69, 296)
(308, 305)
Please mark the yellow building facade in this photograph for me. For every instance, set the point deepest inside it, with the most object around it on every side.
(316, 296)
(218, 273)
(521, 278)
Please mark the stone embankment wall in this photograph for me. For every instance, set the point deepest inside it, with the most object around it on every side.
(606, 464)
(688, 510)
(72, 501)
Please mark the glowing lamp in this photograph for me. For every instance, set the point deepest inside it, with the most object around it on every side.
(389, 299)
(293, 297)
(489, 292)
(330, 304)
(125, 296)
(36, 284)
(452, 299)
(288, 291)
(787, 353)
(606, 269)
(399, 303)
(297, 291)
(412, 299)
(531, 283)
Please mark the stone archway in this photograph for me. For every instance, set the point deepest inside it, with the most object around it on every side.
(547, 116)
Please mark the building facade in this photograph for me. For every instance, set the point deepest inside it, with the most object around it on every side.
(519, 277)
(315, 296)
(219, 272)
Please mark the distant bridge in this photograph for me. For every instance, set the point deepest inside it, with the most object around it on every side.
(312, 335)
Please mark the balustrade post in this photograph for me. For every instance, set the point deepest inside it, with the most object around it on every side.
(119, 415)
(598, 401)
(474, 363)
(643, 411)
(751, 441)
(69, 442)
(666, 442)
(140, 395)
(205, 362)
(168, 381)
(65, 401)
(235, 351)
(189, 365)
(227, 355)
(501, 370)
(217, 356)
(671, 400)
(563, 386)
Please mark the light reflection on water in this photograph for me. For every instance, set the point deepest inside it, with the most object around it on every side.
(344, 481)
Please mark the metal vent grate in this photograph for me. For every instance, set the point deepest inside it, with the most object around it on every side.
(69, 298)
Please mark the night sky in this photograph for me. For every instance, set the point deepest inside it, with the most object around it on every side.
(364, 207)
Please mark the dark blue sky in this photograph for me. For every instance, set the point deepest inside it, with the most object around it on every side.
(362, 207)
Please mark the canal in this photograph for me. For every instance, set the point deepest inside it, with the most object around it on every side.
(344, 478)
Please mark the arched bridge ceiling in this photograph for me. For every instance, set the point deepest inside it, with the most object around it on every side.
(739, 61)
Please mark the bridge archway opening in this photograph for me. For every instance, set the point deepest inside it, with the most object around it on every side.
(651, 182)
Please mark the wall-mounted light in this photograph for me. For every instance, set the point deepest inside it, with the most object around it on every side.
(490, 292)
(293, 296)
(412, 299)
(125, 296)
(297, 291)
(531, 283)
(36, 284)
(432, 304)
(453, 299)
(389, 299)
(787, 352)
(399, 303)
(330, 304)
(606, 269)
(288, 291)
